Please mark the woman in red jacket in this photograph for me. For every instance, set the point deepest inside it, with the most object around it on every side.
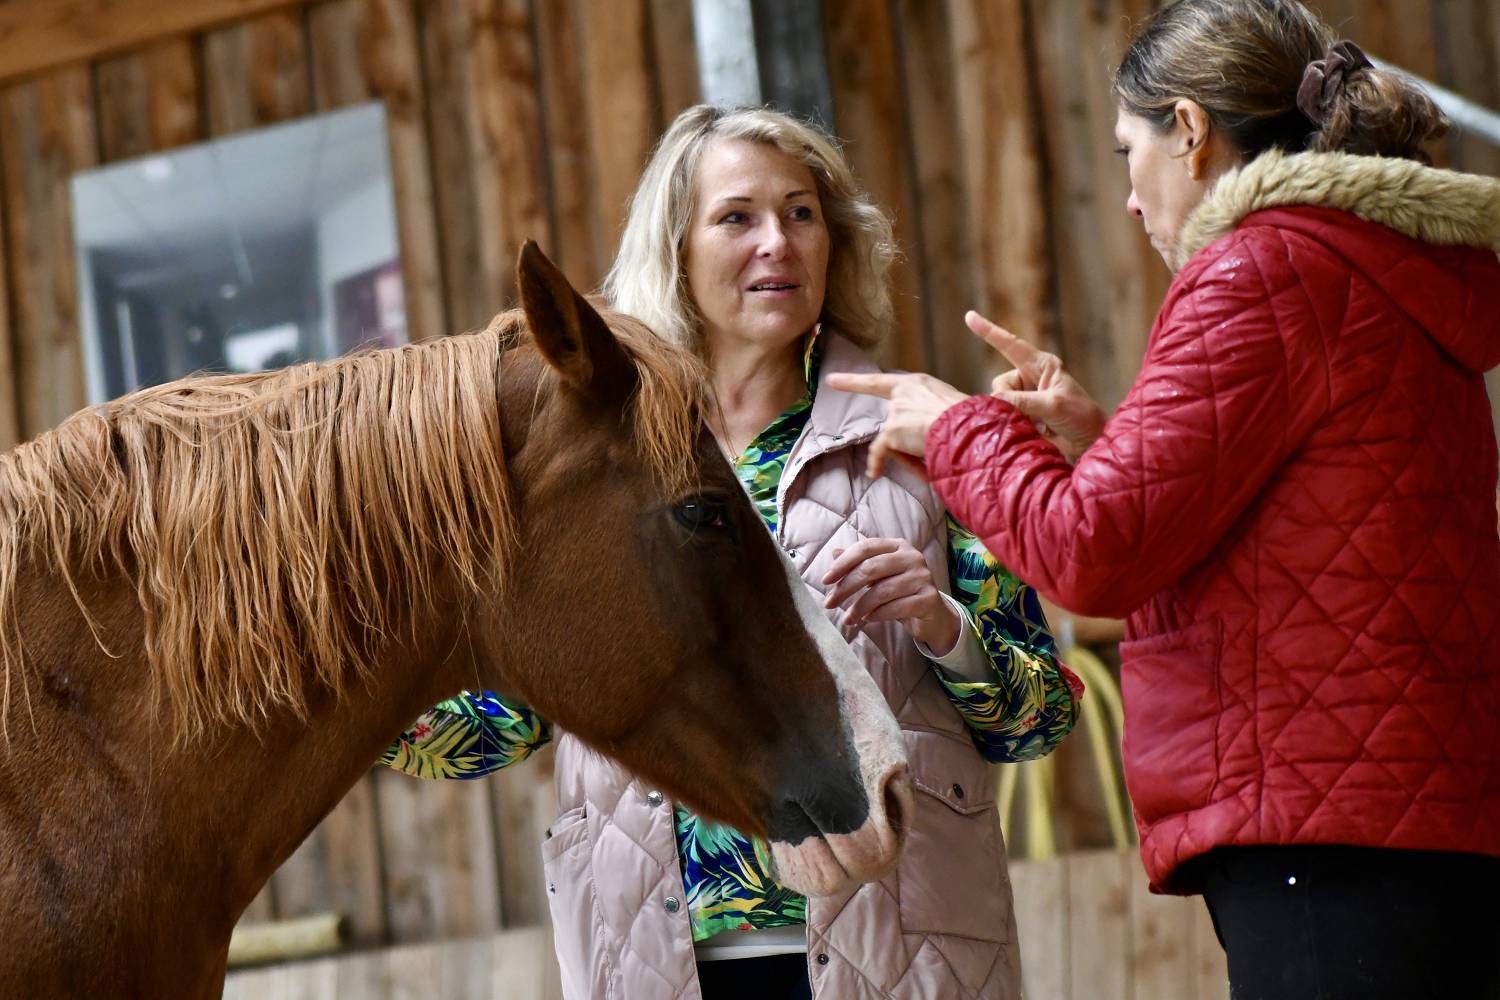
(1294, 506)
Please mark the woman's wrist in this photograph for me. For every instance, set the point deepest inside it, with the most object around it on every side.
(940, 632)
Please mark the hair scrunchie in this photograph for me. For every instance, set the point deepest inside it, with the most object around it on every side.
(1324, 79)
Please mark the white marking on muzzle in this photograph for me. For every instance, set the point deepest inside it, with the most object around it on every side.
(821, 866)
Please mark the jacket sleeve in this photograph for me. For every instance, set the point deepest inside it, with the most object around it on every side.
(1030, 702)
(1233, 380)
(468, 737)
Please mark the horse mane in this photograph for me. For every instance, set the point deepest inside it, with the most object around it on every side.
(274, 521)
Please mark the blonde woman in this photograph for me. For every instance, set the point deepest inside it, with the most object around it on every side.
(749, 242)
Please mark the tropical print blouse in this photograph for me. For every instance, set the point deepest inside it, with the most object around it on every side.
(1021, 713)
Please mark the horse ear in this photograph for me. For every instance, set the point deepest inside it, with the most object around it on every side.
(570, 333)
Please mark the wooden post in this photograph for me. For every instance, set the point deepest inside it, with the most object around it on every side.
(48, 126)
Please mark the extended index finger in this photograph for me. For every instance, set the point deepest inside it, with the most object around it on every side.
(1015, 350)
(869, 383)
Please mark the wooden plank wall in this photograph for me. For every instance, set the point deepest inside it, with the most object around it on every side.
(1089, 930)
(984, 125)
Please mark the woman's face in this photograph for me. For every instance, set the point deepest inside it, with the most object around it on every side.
(1168, 175)
(756, 249)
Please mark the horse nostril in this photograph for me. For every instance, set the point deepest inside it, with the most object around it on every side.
(893, 811)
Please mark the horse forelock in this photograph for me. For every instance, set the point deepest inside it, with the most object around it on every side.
(301, 518)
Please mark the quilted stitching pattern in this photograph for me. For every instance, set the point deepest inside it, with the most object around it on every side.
(1305, 468)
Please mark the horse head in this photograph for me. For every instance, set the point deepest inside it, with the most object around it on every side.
(663, 624)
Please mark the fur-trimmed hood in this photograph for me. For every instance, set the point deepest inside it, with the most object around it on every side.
(1453, 292)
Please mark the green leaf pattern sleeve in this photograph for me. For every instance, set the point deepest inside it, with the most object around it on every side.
(468, 737)
(1032, 703)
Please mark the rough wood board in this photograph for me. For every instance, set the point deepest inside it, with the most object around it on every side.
(864, 69)
(1161, 946)
(1098, 942)
(524, 803)
(675, 57)
(37, 35)
(622, 114)
(1003, 166)
(438, 843)
(943, 250)
(1040, 891)
(255, 73)
(565, 124)
(338, 869)
(48, 125)
(488, 154)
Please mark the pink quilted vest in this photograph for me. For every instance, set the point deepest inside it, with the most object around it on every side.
(942, 924)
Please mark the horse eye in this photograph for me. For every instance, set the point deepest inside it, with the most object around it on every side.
(701, 513)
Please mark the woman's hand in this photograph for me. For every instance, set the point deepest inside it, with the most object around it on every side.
(1041, 388)
(890, 581)
(916, 402)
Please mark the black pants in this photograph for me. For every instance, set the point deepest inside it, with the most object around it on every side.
(1354, 923)
(775, 977)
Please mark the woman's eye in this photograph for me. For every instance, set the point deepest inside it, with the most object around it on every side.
(701, 513)
(801, 213)
(733, 218)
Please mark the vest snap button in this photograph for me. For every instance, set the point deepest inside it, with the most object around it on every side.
(654, 797)
(958, 792)
(672, 904)
(552, 887)
(822, 958)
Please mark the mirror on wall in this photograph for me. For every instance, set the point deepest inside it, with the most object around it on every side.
(246, 253)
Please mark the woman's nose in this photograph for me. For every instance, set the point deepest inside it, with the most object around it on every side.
(772, 239)
(1132, 205)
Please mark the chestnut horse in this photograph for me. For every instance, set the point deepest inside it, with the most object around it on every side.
(222, 597)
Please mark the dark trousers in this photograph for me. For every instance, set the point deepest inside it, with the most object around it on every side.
(1354, 923)
(775, 977)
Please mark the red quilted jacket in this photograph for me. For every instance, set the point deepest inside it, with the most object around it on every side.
(1295, 506)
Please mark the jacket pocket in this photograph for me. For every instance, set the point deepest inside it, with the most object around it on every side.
(567, 866)
(1170, 683)
(951, 878)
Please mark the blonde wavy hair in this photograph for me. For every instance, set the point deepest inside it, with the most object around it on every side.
(647, 279)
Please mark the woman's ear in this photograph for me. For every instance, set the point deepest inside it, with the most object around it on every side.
(1192, 134)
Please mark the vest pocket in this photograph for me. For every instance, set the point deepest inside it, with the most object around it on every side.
(1170, 683)
(951, 877)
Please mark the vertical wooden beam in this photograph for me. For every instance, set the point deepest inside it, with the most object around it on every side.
(1161, 945)
(440, 864)
(864, 69)
(370, 50)
(674, 56)
(676, 59)
(1002, 165)
(148, 100)
(1098, 942)
(488, 154)
(1110, 282)
(565, 125)
(48, 126)
(525, 803)
(1040, 889)
(623, 112)
(943, 252)
(256, 73)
